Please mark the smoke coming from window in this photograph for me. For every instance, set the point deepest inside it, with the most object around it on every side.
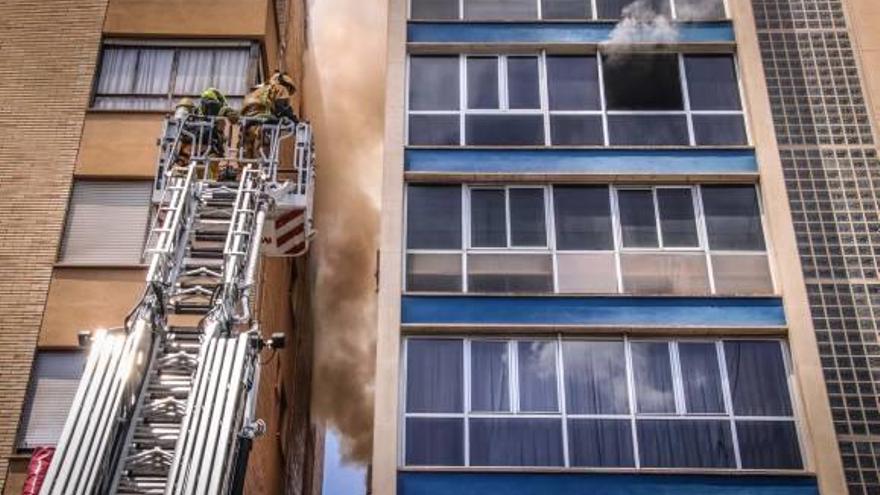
(642, 23)
(344, 99)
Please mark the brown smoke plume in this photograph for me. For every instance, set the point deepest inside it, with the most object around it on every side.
(344, 99)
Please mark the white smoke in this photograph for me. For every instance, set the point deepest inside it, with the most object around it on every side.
(640, 23)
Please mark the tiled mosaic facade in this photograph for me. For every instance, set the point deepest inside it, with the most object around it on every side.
(833, 177)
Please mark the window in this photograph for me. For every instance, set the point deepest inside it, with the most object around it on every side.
(153, 77)
(588, 239)
(512, 10)
(106, 223)
(51, 392)
(604, 402)
(633, 99)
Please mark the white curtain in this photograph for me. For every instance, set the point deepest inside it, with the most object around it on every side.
(117, 71)
(193, 71)
(231, 71)
(131, 103)
(489, 376)
(154, 72)
(595, 377)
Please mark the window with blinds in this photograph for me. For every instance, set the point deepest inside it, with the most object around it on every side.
(153, 77)
(106, 223)
(51, 392)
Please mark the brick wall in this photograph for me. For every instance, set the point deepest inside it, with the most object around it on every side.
(47, 58)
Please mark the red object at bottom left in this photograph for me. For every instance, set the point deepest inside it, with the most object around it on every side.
(37, 470)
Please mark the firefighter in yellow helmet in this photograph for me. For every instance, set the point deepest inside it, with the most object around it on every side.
(212, 103)
(269, 100)
(184, 108)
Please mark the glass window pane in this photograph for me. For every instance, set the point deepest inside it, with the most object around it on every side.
(434, 442)
(600, 443)
(194, 72)
(592, 273)
(576, 130)
(573, 83)
(537, 376)
(583, 217)
(434, 9)
(433, 273)
(516, 442)
(638, 223)
(758, 382)
(595, 377)
(522, 83)
(514, 273)
(742, 274)
(501, 10)
(664, 273)
(648, 130)
(431, 130)
(117, 70)
(498, 130)
(433, 83)
(733, 220)
(154, 72)
(434, 376)
(685, 444)
(566, 9)
(482, 82)
(699, 10)
(712, 82)
(131, 103)
(642, 82)
(768, 445)
(652, 372)
(719, 130)
(488, 218)
(527, 220)
(677, 220)
(433, 217)
(701, 378)
(230, 71)
(614, 9)
(490, 380)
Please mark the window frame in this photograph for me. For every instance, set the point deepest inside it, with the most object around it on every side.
(618, 250)
(604, 112)
(594, 15)
(632, 415)
(256, 68)
(27, 404)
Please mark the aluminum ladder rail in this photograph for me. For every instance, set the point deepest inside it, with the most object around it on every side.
(114, 376)
(219, 422)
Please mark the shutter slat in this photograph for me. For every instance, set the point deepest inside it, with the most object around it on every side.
(106, 222)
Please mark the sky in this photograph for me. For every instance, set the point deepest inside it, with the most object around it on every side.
(340, 479)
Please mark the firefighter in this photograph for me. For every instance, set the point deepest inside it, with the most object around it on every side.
(212, 103)
(184, 108)
(269, 100)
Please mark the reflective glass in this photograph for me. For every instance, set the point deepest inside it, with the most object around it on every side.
(768, 445)
(433, 217)
(742, 274)
(434, 130)
(573, 83)
(699, 10)
(614, 9)
(733, 220)
(586, 273)
(719, 130)
(490, 385)
(522, 83)
(648, 130)
(758, 380)
(434, 9)
(488, 218)
(712, 82)
(433, 272)
(482, 82)
(600, 443)
(516, 442)
(527, 220)
(565, 9)
(434, 441)
(434, 376)
(576, 130)
(433, 83)
(701, 378)
(685, 443)
(664, 273)
(638, 224)
(652, 372)
(678, 223)
(583, 218)
(537, 376)
(595, 377)
(510, 273)
(500, 10)
(499, 130)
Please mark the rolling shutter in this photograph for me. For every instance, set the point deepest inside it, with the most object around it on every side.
(106, 222)
(51, 392)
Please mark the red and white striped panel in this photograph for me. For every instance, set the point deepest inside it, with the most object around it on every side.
(285, 235)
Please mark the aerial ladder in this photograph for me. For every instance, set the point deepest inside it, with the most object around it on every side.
(170, 408)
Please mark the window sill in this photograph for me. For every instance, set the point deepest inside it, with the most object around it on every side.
(102, 111)
(121, 266)
(561, 470)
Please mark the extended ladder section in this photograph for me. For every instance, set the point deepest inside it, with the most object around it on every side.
(166, 404)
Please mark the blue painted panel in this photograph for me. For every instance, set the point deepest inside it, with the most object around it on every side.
(610, 161)
(417, 483)
(543, 32)
(593, 311)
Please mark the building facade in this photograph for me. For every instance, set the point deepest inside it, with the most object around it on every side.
(626, 247)
(85, 86)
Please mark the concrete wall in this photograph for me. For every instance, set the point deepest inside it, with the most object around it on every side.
(47, 60)
(193, 18)
(119, 145)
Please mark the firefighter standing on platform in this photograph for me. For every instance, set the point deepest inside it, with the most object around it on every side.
(212, 103)
(270, 100)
